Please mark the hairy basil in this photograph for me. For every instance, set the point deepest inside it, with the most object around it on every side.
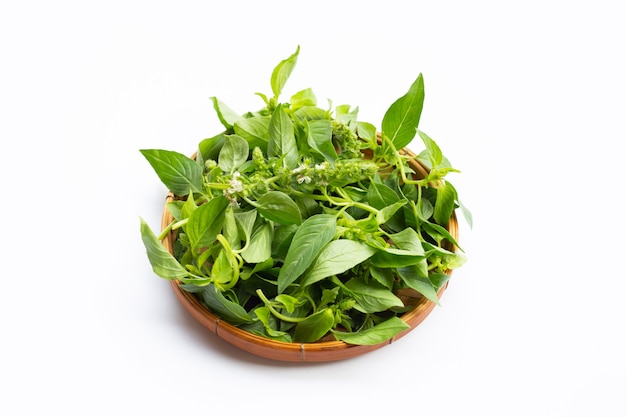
(298, 223)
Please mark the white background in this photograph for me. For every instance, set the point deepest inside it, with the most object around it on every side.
(526, 98)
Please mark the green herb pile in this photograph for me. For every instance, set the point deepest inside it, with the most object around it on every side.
(301, 224)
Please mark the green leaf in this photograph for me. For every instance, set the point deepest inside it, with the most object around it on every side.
(444, 205)
(206, 222)
(264, 315)
(438, 233)
(282, 141)
(426, 209)
(278, 207)
(188, 207)
(311, 113)
(380, 196)
(303, 98)
(163, 263)
(384, 276)
(344, 115)
(247, 272)
(371, 297)
(315, 326)
(435, 156)
(223, 307)
(438, 279)
(337, 257)
(282, 71)
(467, 214)
(393, 258)
(233, 154)
(245, 220)
(289, 303)
(222, 270)
(314, 233)
(178, 172)
(407, 250)
(367, 132)
(386, 213)
(227, 116)
(402, 118)
(416, 277)
(409, 241)
(260, 247)
(283, 234)
(230, 229)
(210, 147)
(255, 130)
(374, 335)
(319, 138)
(175, 208)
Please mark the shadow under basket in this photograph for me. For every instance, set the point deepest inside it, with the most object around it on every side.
(324, 351)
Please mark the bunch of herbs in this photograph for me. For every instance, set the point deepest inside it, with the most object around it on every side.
(300, 223)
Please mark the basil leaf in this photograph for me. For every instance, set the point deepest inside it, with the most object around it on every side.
(303, 98)
(438, 280)
(206, 222)
(416, 277)
(374, 335)
(386, 213)
(312, 235)
(467, 214)
(222, 271)
(234, 153)
(210, 148)
(315, 326)
(230, 229)
(255, 130)
(268, 320)
(283, 234)
(178, 172)
(444, 205)
(394, 258)
(223, 307)
(384, 276)
(175, 208)
(319, 138)
(288, 302)
(226, 115)
(278, 207)
(380, 196)
(163, 263)
(245, 220)
(366, 131)
(408, 241)
(402, 118)
(438, 233)
(282, 141)
(311, 113)
(435, 156)
(425, 209)
(282, 71)
(371, 297)
(337, 257)
(260, 247)
(344, 115)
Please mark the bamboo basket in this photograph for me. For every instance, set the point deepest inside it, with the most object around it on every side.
(323, 351)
